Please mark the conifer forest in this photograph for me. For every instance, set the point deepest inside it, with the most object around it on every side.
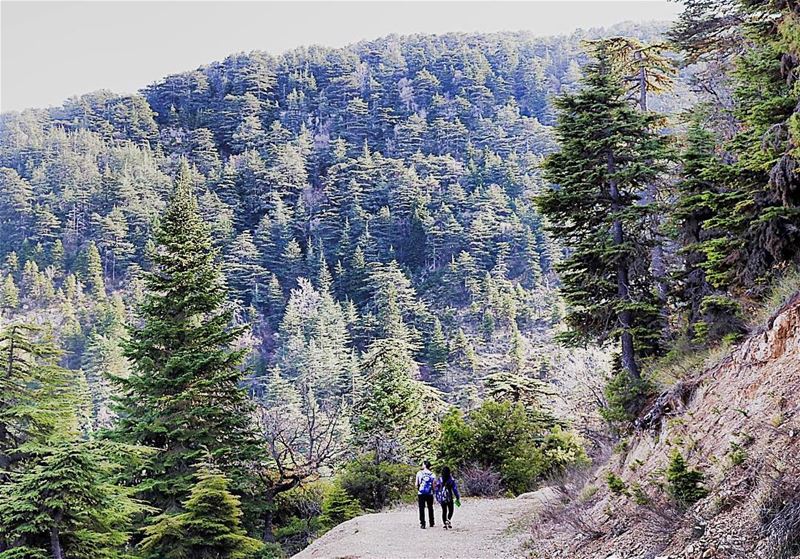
(242, 305)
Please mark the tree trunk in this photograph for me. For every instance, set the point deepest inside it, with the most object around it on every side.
(268, 535)
(55, 543)
(625, 317)
(642, 82)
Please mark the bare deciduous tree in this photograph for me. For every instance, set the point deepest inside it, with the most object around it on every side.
(303, 440)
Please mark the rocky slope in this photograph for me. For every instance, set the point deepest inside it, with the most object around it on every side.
(737, 422)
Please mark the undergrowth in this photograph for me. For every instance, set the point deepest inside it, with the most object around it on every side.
(782, 290)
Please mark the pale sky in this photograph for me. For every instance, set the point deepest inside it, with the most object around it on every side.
(50, 51)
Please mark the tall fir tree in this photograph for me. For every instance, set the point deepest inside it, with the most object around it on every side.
(183, 396)
(700, 290)
(393, 407)
(609, 153)
(758, 211)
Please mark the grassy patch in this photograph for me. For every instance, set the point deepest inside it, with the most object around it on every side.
(682, 361)
(780, 293)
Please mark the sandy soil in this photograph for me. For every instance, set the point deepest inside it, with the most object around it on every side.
(481, 528)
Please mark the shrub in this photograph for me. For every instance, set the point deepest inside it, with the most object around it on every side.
(737, 454)
(478, 481)
(639, 495)
(456, 440)
(304, 501)
(270, 550)
(616, 484)
(625, 397)
(561, 450)
(684, 484)
(779, 513)
(338, 506)
(502, 437)
(588, 492)
(297, 516)
(375, 484)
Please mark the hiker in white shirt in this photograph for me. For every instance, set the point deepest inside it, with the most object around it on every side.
(424, 483)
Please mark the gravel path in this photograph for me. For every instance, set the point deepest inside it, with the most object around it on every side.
(482, 528)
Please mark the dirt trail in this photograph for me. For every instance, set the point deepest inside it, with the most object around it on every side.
(481, 528)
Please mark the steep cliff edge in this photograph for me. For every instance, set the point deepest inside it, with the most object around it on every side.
(738, 423)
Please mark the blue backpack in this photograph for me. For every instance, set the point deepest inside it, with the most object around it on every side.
(426, 484)
(444, 493)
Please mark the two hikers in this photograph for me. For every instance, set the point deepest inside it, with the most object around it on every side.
(444, 488)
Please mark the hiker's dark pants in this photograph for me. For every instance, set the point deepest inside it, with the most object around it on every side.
(447, 511)
(425, 501)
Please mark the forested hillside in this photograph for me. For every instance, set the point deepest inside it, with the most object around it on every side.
(339, 184)
(238, 305)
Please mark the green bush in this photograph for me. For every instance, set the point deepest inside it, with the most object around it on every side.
(455, 440)
(616, 484)
(297, 515)
(338, 506)
(501, 436)
(270, 551)
(737, 454)
(683, 483)
(296, 533)
(639, 495)
(625, 397)
(375, 484)
(561, 450)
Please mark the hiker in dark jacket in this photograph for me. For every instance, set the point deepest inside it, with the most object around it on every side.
(446, 490)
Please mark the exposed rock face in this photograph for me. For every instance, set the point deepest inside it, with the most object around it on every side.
(739, 423)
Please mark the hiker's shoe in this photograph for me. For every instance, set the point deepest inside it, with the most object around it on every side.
(422, 526)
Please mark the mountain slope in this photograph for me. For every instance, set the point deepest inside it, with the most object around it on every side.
(404, 163)
(738, 423)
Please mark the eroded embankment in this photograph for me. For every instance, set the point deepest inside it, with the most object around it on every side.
(736, 422)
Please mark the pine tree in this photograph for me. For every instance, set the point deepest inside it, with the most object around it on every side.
(183, 396)
(65, 505)
(10, 294)
(642, 67)
(57, 258)
(645, 70)
(37, 395)
(243, 269)
(519, 389)
(393, 406)
(314, 343)
(16, 210)
(758, 210)
(114, 242)
(699, 290)
(609, 153)
(102, 361)
(437, 347)
(93, 271)
(211, 527)
(272, 300)
(12, 262)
